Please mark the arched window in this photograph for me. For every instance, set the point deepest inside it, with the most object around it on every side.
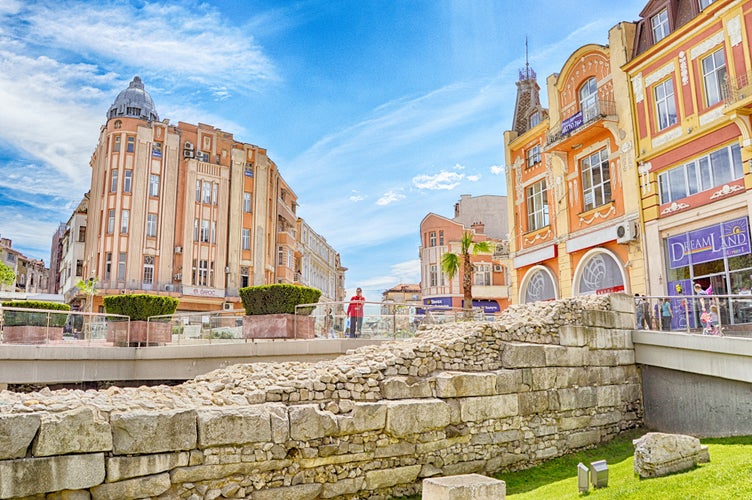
(538, 284)
(589, 100)
(599, 272)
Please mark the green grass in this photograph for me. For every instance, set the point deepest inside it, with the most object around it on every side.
(728, 475)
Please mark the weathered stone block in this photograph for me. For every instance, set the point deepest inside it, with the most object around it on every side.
(466, 467)
(119, 468)
(406, 388)
(488, 407)
(142, 487)
(415, 416)
(384, 478)
(464, 487)
(32, 476)
(81, 430)
(234, 425)
(565, 356)
(582, 439)
(198, 473)
(280, 422)
(658, 454)
(395, 450)
(533, 402)
(573, 399)
(363, 417)
(516, 355)
(622, 302)
(16, 434)
(143, 431)
(342, 487)
(297, 492)
(308, 422)
(460, 384)
(608, 319)
(573, 335)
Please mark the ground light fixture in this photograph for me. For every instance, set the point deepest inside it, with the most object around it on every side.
(583, 477)
(599, 474)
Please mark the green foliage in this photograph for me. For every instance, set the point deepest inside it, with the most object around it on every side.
(140, 306)
(7, 276)
(24, 318)
(278, 299)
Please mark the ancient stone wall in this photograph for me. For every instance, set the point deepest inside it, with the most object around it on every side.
(538, 383)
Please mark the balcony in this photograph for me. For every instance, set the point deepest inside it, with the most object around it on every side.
(576, 126)
(737, 92)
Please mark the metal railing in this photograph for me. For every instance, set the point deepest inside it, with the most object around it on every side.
(211, 327)
(736, 88)
(591, 114)
(729, 315)
(19, 325)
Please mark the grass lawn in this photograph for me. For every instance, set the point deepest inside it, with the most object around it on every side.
(728, 475)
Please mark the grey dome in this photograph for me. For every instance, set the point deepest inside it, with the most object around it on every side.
(134, 102)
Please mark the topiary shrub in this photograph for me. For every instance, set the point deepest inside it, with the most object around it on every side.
(139, 307)
(278, 299)
(25, 318)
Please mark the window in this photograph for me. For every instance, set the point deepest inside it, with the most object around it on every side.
(108, 265)
(195, 229)
(121, 266)
(203, 272)
(247, 202)
(537, 206)
(535, 119)
(116, 144)
(156, 150)
(131, 145)
(665, 105)
(589, 100)
(715, 169)
(244, 281)
(205, 231)
(245, 239)
(202, 156)
(153, 185)
(110, 221)
(659, 23)
(714, 76)
(215, 193)
(113, 180)
(148, 269)
(124, 215)
(280, 256)
(482, 275)
(705, 3)
(596, 179)
(151, 225)
(432, 239)
(198, 191)
(534, 155)
(207, 191)
(127, 179)
(79, 267)
(81, 234)
(441, 238)
(434, 275)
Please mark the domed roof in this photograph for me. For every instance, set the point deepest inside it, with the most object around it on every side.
(134, 102)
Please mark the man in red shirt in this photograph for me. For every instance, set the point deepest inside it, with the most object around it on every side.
(355, 312)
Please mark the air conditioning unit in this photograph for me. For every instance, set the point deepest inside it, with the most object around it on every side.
(169, 288)
(626, 232)
(178, 249)
(498, 268)
(189, 153)
(227, 306)
(188, 145)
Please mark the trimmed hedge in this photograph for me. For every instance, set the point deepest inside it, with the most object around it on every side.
(23, 318)
(278, 299)
(140, 306)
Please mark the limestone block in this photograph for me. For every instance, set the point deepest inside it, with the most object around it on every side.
(488, 407)
(583, 439)
(406, 388)
(517, 355)
(415, 416)
(142, 487)
(395, 450)
(464, 487)
(16, 434)
(279, 421)
(198, 473)
(348, 486)
(608, 319)
(385, 478)
(142, 431)
(658, 454)
(460, 384)
(119, 468)
(69, 495)
(297, 492)
(363, 417)
(573, 399)
(608, 395)
(81, 430)
(612, 339)
(504, 460)
(234, 425)
(466, 467)
(533, 402)
(565, 356)
(32, 476)
(573, 335)
(622, 302)
(308, 422)
(508, 381)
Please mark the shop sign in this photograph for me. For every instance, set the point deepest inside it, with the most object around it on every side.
(203, 292)
(438, 301)
(572, 123)
(489, 306)
(726, 239)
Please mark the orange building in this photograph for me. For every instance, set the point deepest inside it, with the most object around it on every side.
(184, 210)
(692, 95)
(571, 179)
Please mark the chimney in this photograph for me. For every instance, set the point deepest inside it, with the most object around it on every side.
(478, 227)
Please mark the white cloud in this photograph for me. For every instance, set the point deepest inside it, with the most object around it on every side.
(356, 196)
(390, 197)
(473, 178)
(497, 169)
(442, 180)
(457, 166)
(407, 272)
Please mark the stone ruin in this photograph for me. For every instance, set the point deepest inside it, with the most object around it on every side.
(658, 454)
(477, 397)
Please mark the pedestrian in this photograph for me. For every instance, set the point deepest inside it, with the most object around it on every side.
(666, 314)
(639, 310)
(699, 304)
(646, 313)
(355, 313)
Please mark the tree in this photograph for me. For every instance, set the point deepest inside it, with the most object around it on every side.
(452, 262)
(88, 287)
(7, 276)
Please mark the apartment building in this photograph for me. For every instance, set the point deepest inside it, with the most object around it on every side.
(184, 209)
(440, 235)
(67, 255)
(691, 94)
(318, 265)
(31, 275)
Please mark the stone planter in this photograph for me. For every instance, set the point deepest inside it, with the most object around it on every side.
(31, 334)
(278, 326)
(158, 333)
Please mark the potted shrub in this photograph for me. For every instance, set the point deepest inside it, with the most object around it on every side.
(270, 311)
(27, 327)
(139, 308)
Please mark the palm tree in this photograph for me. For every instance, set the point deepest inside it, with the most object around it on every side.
(451, 263)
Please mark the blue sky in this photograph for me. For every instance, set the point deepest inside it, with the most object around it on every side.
(377, 112)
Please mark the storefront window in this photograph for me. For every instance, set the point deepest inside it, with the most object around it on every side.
(601, 273)
(540, 286)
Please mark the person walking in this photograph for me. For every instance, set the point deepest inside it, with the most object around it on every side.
(666, 314)
(355, 312)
